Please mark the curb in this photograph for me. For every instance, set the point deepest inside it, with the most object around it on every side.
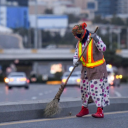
(17, 111)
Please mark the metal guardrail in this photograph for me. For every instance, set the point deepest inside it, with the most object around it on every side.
(36, 54)
(47, 54)
(123, 53)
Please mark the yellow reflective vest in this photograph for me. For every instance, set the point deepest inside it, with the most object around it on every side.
(90, 63)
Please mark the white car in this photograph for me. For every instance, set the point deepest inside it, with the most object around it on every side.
(74, 79)
(17, 79)
(113, 76)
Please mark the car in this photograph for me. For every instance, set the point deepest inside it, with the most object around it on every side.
(114, 77)
(17, 79)
(74, 79)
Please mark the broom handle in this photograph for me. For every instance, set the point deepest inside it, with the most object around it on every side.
(63, 86)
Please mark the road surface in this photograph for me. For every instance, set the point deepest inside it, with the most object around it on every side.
(43, 91)
(111, 120)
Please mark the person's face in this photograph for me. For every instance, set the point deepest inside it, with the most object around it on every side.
(77, 38)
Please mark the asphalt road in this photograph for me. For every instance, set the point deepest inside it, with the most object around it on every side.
(43, 91)
(111, 120)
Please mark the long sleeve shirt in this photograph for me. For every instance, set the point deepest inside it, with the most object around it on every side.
(96, 72)
(100, 46)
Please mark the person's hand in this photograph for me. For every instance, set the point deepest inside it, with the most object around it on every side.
(76, 64)
(94, 36)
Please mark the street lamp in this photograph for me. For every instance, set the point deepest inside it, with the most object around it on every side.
(36, 31)
(110, 38)
(127, 38)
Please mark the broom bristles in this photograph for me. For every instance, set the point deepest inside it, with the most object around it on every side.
(52, 108)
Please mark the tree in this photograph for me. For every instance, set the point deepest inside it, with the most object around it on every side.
(72, 18)
(112, 58)
(98, 19)
(117, 21)
(48, 11)
(127, 22)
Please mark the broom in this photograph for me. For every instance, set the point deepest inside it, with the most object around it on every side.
(53, 108)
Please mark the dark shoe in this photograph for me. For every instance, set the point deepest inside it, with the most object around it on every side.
(84, 111)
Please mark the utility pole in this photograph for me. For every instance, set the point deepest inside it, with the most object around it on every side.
(0, 13)
(36, 27)
(110, 38)
(119, 40)
(40, 38)
(127, 38)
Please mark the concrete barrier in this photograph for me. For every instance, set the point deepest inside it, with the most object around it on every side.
(35, 109)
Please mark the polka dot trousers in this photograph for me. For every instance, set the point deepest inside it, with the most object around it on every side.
(98, 89)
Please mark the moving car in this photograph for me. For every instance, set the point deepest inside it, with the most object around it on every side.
(74, 79)
(17, 79)
(113, 76)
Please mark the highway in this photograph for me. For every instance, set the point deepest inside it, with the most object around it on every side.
(43, 92)
(111, 120)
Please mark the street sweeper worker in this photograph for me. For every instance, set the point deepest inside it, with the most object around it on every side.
(93, 72)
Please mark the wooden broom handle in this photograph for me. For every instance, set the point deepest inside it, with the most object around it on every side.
(63, 86)
(80, 57)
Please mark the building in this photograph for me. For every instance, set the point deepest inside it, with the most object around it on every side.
(112, 7)
(106, 7)
(17, 17)
(91, 8)
(37, 7)
(23, 3)
(66, 9)
(3, 15)
(14, 13)
(122, 7)
(80, 3)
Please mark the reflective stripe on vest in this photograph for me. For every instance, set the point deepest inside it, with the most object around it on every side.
(89, 56)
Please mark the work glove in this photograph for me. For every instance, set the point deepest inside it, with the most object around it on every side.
(94, 36)
(77, 64)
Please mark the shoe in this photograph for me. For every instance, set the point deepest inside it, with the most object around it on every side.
(99, 113)
(84, 111)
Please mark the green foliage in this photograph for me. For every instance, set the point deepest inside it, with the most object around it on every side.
(55, 38)
(1, 78)
(114, 20)
(48, 11)
(124, 79)
(117, 21)
(127, 22)
(58, 75)
(112, 58)
(98, 19)
(124, 62)
(73, 19)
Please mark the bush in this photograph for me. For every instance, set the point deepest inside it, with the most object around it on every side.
(1, 78)
(124, 79)
(57, 77)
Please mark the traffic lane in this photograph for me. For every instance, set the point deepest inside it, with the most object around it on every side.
(111, 120)
(35, 92)
(42, 91)
(122, 90)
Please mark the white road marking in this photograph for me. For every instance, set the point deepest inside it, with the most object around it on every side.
(60, 118)
(34, 98)
(118, 94)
